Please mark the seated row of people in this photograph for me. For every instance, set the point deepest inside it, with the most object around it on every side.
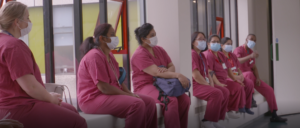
(218, 77)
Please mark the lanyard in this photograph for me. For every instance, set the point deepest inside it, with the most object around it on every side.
(114, 71)
(247, 51)
(8, 33)
(218, 60)
(230, 60)
(203, 64)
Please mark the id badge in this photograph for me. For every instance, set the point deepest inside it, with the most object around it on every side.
(207, 80)
(224, 66)
(233, 68)
(251, 62)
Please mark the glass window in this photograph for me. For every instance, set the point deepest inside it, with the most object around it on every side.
(202, 24)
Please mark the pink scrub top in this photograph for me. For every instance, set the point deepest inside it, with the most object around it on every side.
(199, 64)
(16, 61)
(215, 64)
(142, 59)
(241, 52)
(233, 62)
(94, 67)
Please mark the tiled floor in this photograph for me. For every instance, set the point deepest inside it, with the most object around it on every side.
(264, 122)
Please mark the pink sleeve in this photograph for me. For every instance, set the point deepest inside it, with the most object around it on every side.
(236, 60)
(167, 57)
(195, 62)
(238, 52)
(142, 61)
(97, 70)
(19, 62)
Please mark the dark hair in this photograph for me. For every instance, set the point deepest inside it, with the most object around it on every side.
(194, 36)
(92, 42)
(142, 32)
(211, 36)
(250, 35)
(224, 40)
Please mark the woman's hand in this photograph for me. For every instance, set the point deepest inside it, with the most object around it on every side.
(241, 83)
(8, 123)
(162, 69)
(56, 98)
(183, 80)
(222, 85)
(134, 95)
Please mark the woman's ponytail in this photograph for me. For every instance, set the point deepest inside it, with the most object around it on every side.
(87, 45)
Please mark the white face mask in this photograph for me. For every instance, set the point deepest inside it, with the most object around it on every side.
(228, 48)
(114, 42)
(153, 41)
(25, 31)
(201, 45)
(251, 44)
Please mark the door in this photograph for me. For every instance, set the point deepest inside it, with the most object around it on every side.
(286, 19)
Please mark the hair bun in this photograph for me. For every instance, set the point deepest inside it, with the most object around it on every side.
(136, 31)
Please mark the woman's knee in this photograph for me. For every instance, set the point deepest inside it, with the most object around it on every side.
(217, 94)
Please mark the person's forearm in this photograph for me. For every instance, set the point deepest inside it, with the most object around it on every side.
(124, 88)
(255, 72)
(110, 90)
(216, 81)
(230, 74)
(33, 88)
(167, 75)
(201, 80)
(244, 59)
(39, 92)
(171, 68)
(211, 82)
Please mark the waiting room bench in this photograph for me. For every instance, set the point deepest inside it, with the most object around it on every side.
(109, 121)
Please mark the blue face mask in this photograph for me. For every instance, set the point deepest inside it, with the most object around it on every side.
(251, 44)
(228, 48)
(215, 46)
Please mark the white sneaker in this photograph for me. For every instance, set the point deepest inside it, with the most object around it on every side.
(217, 125)
(207, 124)
(233, 115)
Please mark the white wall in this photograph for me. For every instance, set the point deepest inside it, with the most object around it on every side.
(253, 18)
(171, 20)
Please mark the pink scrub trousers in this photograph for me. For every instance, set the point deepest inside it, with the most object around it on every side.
(139, 113)
(46, 115)
(246, 99)
(217, 101)
(235, 97)
(178, 108)
(264, 89)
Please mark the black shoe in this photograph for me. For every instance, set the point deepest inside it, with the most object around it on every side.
(253, 105)
(268, 113)
(278, 119)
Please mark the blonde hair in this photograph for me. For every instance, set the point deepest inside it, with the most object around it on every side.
(9, 12)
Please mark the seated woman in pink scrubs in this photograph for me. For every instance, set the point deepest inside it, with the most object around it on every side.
(98, 89)
(247, 59)
(204, 87)
(218, 63)
(23, 96)
(246, 99)
(144, 62)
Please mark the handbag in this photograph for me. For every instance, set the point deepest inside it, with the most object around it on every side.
(169, 87)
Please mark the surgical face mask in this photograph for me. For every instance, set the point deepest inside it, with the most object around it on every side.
(153, 41)
(228, 48)
(201, 45)
(251, 44)
(26, 31)
(114, 42)
(215, 46)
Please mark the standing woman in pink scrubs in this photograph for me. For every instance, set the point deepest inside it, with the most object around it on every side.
(218, 63)
(99, 91)
(247, 59)
(204, 87)
(23, 96)
(245, 102)
(144, 62)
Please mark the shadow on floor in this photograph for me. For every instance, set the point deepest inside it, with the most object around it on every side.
(264, 122)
